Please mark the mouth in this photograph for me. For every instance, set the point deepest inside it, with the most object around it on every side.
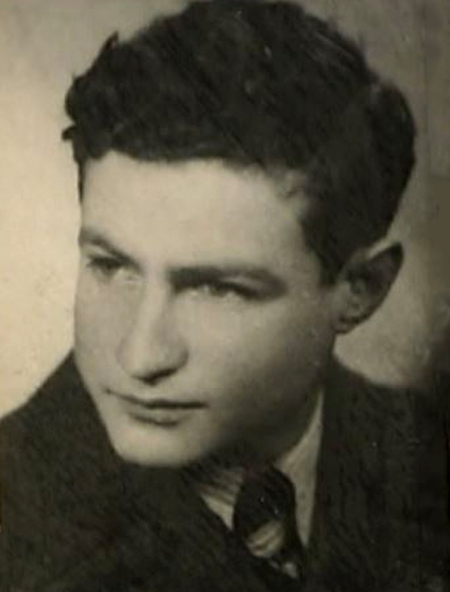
(159, 412)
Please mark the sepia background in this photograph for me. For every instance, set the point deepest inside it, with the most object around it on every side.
(44, 43)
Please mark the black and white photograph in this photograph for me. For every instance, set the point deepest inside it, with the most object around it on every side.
(225, 296)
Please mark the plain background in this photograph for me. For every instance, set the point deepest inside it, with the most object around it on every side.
(43, 43)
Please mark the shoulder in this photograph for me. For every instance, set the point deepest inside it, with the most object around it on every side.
(58, 412)
(63, 382)
(59, 478)
(398, 436)
(20, 428)
(55, 437)
(405, 425)
(411, 413)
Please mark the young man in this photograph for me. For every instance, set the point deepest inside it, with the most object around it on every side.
(239, 164)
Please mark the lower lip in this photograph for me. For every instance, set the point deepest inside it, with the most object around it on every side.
(159, 416)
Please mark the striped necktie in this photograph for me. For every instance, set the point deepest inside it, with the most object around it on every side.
(264, 519)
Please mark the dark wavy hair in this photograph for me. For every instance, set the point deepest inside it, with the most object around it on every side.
(256, 84)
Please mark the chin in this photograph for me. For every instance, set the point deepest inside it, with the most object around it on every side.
(158, 459)
(153, 447)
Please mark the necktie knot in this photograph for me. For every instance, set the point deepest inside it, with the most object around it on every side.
(264, 497)
(264, 519)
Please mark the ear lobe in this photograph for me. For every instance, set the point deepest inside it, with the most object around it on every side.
(367, 284)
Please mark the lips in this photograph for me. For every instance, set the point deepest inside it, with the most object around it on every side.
(161, 412)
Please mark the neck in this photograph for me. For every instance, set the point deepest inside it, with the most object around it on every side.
(291, 433)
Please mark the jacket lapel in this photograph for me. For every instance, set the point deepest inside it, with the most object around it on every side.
(94, 522)
(344, 547)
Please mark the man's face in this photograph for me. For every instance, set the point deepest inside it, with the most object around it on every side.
(202, 326)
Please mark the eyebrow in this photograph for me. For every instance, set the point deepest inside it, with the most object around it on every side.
(194, 274)
(92, 237)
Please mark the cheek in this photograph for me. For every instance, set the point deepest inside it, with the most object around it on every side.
(99, 320)
(273, 351)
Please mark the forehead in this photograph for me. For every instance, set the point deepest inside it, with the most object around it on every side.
(194, 207)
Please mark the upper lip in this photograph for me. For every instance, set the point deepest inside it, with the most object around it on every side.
(159, 403)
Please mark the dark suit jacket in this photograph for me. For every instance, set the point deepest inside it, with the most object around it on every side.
(77, 519)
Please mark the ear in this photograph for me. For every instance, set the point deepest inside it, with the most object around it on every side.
(365, 283)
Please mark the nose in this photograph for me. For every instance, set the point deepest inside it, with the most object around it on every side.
(152, 347)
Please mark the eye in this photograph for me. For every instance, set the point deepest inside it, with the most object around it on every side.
(104, 266)
(227, 290)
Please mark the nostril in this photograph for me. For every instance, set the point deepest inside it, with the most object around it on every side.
(156, 377)
(151, 360)
(151, 368)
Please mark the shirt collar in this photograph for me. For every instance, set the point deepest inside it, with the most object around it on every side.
(219, 491)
